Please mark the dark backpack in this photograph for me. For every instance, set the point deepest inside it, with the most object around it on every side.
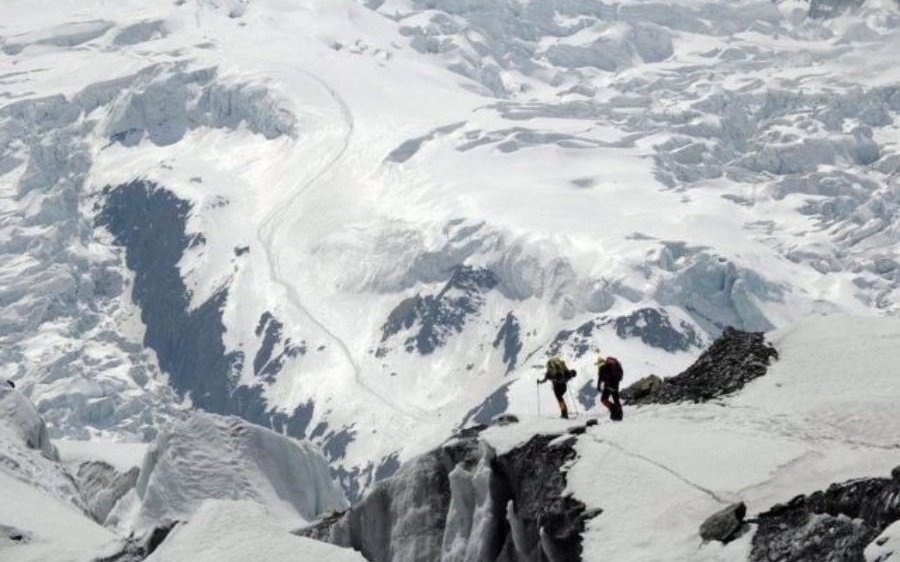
(611, 372)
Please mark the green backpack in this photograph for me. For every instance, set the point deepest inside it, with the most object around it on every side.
(557, 370)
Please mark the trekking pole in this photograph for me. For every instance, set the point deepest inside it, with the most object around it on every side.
(574, 403)
(537, 395)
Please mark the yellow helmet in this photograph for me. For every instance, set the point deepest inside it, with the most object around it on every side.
(600, 360)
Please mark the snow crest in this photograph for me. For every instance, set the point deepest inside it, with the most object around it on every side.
(209, 456)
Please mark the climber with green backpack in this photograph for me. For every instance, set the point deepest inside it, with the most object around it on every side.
(559, 374)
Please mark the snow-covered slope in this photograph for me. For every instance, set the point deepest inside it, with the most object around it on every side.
(366, 223)
(640, 489)
(225, 531)
(824, 413)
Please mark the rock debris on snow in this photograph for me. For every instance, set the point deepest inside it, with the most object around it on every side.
(733, 360)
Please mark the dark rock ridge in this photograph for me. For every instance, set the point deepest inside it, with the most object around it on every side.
(725, 525)
(653, 326)
(136, 549)
(492, 406)
(733, 360)
(498, 508)
(510, 337)
(831, 526)
(150, 223)
(268, 361)
(433, 319)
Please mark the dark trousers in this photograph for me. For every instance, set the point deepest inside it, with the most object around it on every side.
(559, 390)
(614, 407)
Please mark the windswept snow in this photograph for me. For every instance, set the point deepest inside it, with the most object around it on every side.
(236, 531)
(57, 531)
(215, 457)
(26, 453)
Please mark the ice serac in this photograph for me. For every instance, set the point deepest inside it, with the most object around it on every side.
(839, 523)
(213, 457)
(463, 502)
(19, 417)
(26, 453)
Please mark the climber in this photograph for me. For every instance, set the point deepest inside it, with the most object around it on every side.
(559, 374)
(609, 375)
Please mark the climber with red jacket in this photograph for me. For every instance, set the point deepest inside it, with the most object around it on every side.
(609, 375)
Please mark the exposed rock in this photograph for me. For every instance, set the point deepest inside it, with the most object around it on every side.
(505, 419)
(490, 408)
(536, 479)
(434, 318)
(150, 222)
(464, 498)
(645, 387)
(509, 336)
(653, 326)
(13, 535)
(137, 548)
(724, 525)
(831, 526)
(732, 361)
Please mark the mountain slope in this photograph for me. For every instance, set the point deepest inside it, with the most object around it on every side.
(369, 223)
(542, 489)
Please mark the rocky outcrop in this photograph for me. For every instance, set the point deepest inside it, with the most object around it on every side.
(464, 502)
(732, 361)
(138, 548)
(725, 525)
(643, 388)
(150, 223)
(431, 320)
(835, 525)
(655, 327)
(13, 535)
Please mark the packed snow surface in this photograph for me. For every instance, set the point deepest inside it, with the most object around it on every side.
(56, 531)
(824, 413)
(237, 531)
